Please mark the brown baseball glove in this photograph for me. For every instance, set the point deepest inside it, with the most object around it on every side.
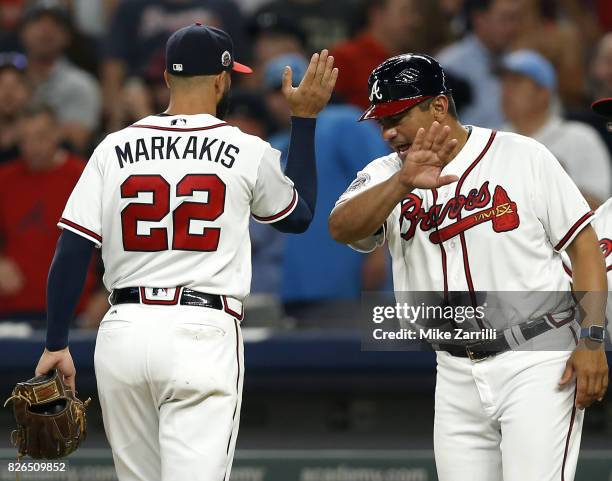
(50, 419)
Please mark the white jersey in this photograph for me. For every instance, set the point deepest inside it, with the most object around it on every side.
(501, 227)
(168, 200)
(602, 223)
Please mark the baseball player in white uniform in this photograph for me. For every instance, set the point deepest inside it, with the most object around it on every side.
(168, 201)
(469, 209)
(602, 220)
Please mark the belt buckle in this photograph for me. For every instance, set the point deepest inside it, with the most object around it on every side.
(472, 356)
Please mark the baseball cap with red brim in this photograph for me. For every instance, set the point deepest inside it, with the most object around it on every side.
(201, 50)
(394, 107)
(401, 82)
(603, 107)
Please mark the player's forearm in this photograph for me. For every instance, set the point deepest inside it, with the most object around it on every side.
(589, 276)
(64, 285)
(302, 170)
(301, 161)
(361, 216)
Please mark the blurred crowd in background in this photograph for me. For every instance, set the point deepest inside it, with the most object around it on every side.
(71, 71)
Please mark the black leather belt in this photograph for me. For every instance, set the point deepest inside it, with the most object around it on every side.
(188, 297)
(479, 351)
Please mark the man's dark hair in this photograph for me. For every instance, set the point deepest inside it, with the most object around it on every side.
(36, 109)
(452, 109)
(360, 17)
(477, 6)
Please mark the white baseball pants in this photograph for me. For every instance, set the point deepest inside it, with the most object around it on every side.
(170, 386)
(506, 418)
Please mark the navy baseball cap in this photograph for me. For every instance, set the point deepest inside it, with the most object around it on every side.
(201, 50)
(403, 81)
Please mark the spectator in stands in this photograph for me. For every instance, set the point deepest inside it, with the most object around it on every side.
(585, 17)
(449, 20)
(35, 188)
(248, 112)
(10, 16)
(529, 86)
(138, 32)
(604, 14)
(601, 87)
(14, 95)
(601, 70)
(474, 58)
(146, 95)
(324, 22)
(541, 30)
(390, 29)
(70, 91)
(273, 34)
(322, 281)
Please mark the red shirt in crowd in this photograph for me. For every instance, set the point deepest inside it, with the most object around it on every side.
(604, 13)
(31, 204)
(356, 58)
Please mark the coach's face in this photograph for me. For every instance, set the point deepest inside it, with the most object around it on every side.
(400, 130)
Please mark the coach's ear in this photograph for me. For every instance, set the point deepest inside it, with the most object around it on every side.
(439, 107)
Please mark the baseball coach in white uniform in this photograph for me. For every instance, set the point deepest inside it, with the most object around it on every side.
(467, 209)
(168, 201)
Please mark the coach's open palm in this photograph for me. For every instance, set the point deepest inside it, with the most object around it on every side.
(315, 89)
(424, 160)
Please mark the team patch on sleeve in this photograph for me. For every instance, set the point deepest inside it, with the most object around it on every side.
(362, 180)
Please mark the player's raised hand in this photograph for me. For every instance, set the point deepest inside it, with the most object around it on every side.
(315, 89)
(423, 161)
(62, 360)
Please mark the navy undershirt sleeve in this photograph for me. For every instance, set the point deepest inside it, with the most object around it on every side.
(302, 170)
(64, 285)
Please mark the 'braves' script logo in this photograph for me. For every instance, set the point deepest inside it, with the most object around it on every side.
(606, 246)
(375, 91)
(503, 214)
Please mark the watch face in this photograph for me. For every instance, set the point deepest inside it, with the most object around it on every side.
(596, 333)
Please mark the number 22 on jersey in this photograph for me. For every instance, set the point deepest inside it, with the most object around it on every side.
(160, 189)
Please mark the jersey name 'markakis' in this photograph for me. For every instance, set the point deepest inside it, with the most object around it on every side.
(176, 147)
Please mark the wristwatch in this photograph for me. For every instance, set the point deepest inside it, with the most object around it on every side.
(593, 333)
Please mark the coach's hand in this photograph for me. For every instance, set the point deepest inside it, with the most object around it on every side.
(62, 360)
(315, 89)
(588, 362)
(424, 160)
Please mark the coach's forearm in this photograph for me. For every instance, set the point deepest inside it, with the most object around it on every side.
(361, 216)
(589, 276)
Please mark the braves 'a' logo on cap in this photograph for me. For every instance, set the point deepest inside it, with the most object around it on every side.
(226, 59)
(375, 91)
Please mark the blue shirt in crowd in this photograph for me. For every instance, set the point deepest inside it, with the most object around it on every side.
(315, 267)
(469, 60)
